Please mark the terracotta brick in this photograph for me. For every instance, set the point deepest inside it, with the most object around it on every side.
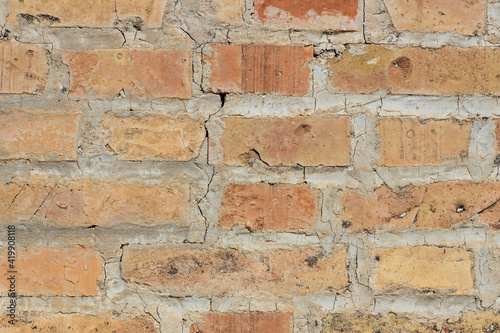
(49, 271)
(184, 272)
(269, 207)
(79, 323)
(259, 69)
(154, 137)
(86, 202)
(262, 322)
(141, 73)
(407, 141)
(463, 16)
(438, 205)
(39, 134)
(491, 216)
(287, 141)
(447, 270)
(96, 13)
(23, 68)
(416, 71)
(318, 15)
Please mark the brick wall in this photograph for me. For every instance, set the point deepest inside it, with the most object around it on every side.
(270, 166)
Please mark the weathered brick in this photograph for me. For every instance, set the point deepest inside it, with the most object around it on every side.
(417, 71)
(259, 69)
(318, 15)
(269, 207)
(153, 136)
(79, 323)
(50, 271)
(409, 141)
(215, 272)
(96, 13)
(141, 73)
(39, 134)
(86, 202)
(437, 205)
(446, 270)
(23, 68)
(287, 141)
(491, 216)
(226, 11)
(463, 16)
(262, 322)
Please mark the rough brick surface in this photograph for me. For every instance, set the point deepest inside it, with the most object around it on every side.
(50, 271)
(39, 134)
(446, 270)
(141, 73)
(272, 322)
(269, 207)
(186, 272)
(288, 141)
(259, 69)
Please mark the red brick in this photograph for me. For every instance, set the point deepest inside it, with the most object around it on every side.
(141, 73)
(437, 205)
(269, 207)
(308, 141)
(261, 322)
(23, 68)
(39, 134)
(50, 271)
(416, 71)
(463, 16)
(318, 15)
(407, 141)
(259, 69)
(182, 272)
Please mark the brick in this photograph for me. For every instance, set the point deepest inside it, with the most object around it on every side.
(416, 71)
(97, 13)
(446, 270)
(410, 141)
(185, 272)
(269, 207)
(226, 11)
(491, 216)
(306, 141)
(39, 134)
(141, 73)
(49, 271)
(79, 323)
(154, 137)
(258, 69)
(86, 202)
(463, 16)
(438, 205)
(317, 15)
(247, 322)
(23, 68)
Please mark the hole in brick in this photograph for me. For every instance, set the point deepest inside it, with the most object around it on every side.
(377, 258)
(346, 224)
(460, 209)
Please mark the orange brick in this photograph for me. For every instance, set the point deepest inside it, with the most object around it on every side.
(23, 68)
(262, 322)
(269, 207)
(79, 323)
(287, 141)
(416, 71)
(95, 13)
(184, 272)
(437, 205)
(259, 69)
(154, 136)
(318, 15)
(39, 134)
(448, 270)
(407, 141)
(86, 202)
(141, 73)
(463, 16)
(49, 271)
